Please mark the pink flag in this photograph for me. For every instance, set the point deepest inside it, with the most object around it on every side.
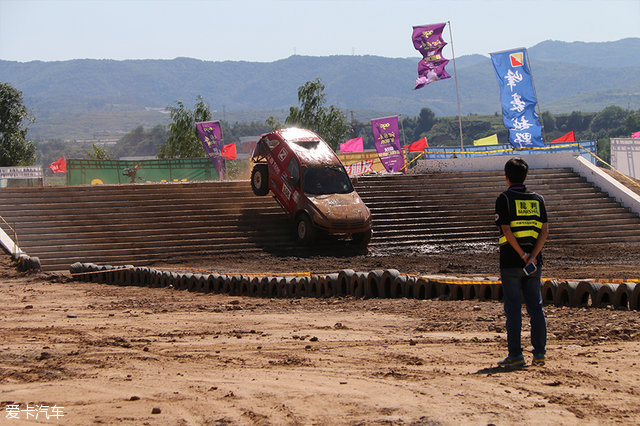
(352, 145)
(635, 135)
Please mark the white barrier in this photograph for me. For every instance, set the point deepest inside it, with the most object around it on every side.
(578, 164)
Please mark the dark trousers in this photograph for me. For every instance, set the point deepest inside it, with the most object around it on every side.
(515, 285)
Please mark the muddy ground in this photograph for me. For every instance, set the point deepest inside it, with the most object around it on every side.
(127, 355)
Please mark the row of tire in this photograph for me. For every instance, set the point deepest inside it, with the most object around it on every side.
(26, 263)
(388, 283)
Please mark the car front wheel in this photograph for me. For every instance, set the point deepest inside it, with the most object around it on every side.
(260, 179)
(361, 239)
(305, 232)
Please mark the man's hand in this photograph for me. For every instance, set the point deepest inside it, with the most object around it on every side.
(529, 259)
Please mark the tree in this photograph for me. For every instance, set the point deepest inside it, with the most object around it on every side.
(548, 121)
(633, 122)
(426, 120)
(183, 141)
(99, 153)
(141, 142)
(329, 123)
(15, 149)
(612, 121)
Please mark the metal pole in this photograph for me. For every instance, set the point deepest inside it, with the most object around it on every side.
(534, 92)
(404, 137)
(455, 74)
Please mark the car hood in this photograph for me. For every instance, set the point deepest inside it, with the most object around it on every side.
(341, 207)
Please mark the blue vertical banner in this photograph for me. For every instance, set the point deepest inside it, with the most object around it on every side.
(518, 98)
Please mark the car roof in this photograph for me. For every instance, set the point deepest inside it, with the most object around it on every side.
(308, 147)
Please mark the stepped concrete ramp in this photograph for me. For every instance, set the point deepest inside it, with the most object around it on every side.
(146, 223)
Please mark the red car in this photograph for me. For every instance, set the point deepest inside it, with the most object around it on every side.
(310, 183)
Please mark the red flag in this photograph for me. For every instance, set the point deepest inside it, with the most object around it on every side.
(352, 145)
(418, 145)
(569, 137)
(635, 135)
(229, 151)
(59, 166)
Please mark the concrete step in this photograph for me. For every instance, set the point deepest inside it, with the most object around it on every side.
(145, 223)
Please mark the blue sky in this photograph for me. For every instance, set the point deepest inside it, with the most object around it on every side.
(268, 30)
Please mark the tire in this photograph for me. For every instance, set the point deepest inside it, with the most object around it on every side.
(398, 288)
(471, 291)
(386, 281)
(305, 232)
(585, 294)
(302, 287)
(260, 179)
(344, 279)
(314, 286)
(605, 295)
(372, 289)
(549, 290)
(362, 239)
(254, 287)
(565, 296)
(635, 298)
(623, 296)
(357, 285)
(420, 289)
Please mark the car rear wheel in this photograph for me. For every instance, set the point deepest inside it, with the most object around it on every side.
(260, 179)
(305, 232)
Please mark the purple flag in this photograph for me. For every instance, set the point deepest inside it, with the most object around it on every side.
(387, 137)
(210, 134)
(427, 39)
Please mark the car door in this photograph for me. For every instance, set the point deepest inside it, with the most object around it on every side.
(291, 184)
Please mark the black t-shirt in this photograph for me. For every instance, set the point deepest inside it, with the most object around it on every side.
(525, 212)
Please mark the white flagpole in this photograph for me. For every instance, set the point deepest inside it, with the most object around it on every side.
(536, 95)
(455, 74)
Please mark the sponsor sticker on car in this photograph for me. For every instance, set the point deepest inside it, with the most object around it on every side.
(282, 154)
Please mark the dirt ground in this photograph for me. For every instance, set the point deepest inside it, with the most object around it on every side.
(106, 354)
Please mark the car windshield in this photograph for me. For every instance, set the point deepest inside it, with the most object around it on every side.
(326, 180)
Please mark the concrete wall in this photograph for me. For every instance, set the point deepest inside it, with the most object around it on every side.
(583, 167)
(8, 244)
(625, 156)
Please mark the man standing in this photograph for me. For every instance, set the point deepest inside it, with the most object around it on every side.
(522, 218)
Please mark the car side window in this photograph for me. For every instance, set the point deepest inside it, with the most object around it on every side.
(294, 172)
(272, 143)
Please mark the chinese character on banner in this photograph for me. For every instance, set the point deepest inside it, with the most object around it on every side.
(360, 168)
(210, 134)
(518, 98)
(387, 138)
(427, 39)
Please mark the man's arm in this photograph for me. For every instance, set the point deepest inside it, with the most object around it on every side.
(542, 238)
(511, 239)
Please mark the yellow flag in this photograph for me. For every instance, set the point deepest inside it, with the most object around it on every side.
(489, 140)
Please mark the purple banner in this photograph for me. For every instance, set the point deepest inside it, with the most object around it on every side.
(387, 138)
(427, 39)
(210, 134)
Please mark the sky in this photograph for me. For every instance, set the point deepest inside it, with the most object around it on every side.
(269, 30)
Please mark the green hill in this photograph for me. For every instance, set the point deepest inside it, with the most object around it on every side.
(78, 98)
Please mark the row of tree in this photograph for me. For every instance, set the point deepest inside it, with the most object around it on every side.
(180, 140)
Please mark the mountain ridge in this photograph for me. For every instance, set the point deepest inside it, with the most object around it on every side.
(568, 76)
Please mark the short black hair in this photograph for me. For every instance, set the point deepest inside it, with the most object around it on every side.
(516, 170)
